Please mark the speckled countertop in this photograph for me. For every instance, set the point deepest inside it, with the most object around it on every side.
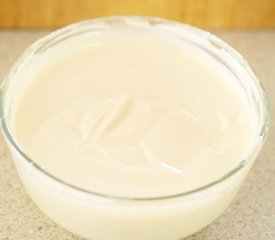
(250, 217)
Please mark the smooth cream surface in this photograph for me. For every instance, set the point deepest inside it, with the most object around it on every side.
(134, 113)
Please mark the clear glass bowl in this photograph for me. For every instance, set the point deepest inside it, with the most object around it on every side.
(102, 217)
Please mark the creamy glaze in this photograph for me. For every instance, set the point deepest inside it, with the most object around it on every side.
(134, 113)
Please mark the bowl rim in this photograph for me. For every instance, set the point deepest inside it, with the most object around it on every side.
(151, 21)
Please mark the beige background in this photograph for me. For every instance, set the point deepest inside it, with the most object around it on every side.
(202, 13)
(250, 217)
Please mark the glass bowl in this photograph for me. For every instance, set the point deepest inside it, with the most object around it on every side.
(105, 217)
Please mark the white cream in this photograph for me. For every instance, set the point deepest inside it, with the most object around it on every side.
(137, 109)
(134, 113)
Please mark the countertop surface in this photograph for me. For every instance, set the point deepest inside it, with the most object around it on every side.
(250, 217)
